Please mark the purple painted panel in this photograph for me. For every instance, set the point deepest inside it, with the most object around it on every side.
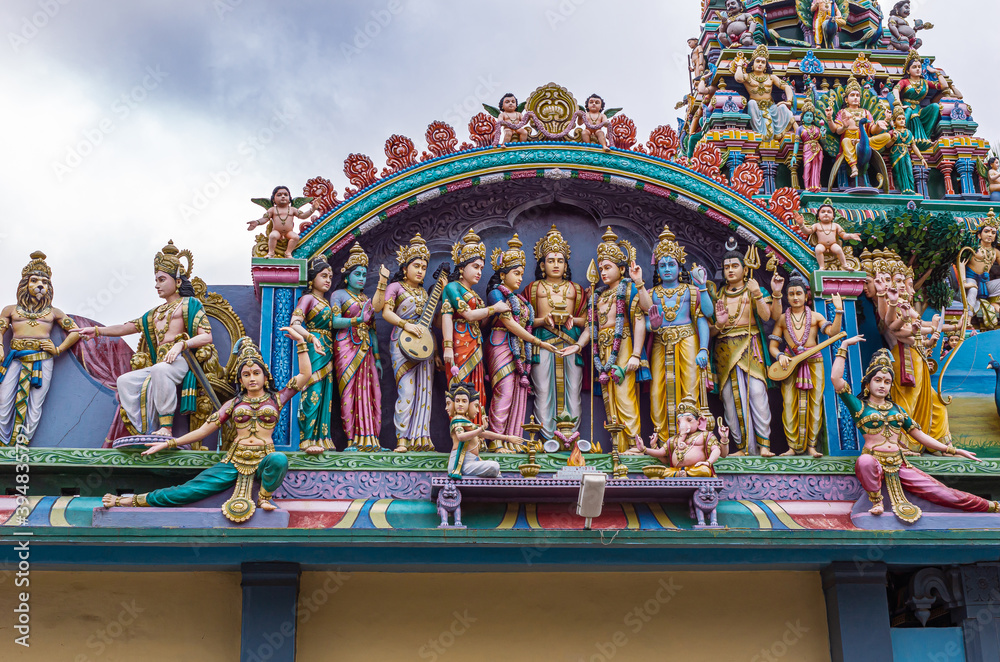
(788, 487)
(184, 518)
(415, 485)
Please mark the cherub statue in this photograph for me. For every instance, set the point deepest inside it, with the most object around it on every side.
(902, 37)
(696, 60)
(693, 451)
(595, 116)
(827, 233)
(278, 217)
(768, 118)
(989, 170)
(510, 111)
(736, 26)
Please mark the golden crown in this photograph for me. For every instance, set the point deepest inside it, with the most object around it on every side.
(990, 221)
(37, 266)
(417, 249)
(509, 259)
(552, 242)
(852, 86)
(898, 111)
(687, 405)
(247, 352)
(469, 248)
(612, 249)
(667, 245)
(169, 261)
(357, 258)
(912, 56)
(881, 360)
(866, 260)
(808, 107)
(760, 51)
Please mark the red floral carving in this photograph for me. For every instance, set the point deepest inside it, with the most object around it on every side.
(323, 194)
(399, 154)
(663, 142)
(622, 131)
(747, 178)
(481, 130)
(784, 204)
(360, 170)
(707, 159)
(441, 140)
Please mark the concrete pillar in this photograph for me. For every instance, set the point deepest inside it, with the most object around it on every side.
(979, 614)
(857, 611)
(270, 597)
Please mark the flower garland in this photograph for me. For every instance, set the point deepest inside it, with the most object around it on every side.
(800, 344)
(522, 352)
(605, 369)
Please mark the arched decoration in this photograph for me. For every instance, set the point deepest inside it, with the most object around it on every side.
(420, 184)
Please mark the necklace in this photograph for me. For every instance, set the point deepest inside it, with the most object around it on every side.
(32, 317)
(256, 401)
(740, 308)
(285, 217)
(670, 311)
(166, 310)
(805, 323)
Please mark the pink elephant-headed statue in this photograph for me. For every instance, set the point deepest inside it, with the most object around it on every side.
(693, 451)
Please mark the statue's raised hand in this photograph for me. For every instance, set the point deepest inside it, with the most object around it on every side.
(721, 313)
(753, 287)
(777, 282)
(699, 275)
(853, 340)
(635, 272)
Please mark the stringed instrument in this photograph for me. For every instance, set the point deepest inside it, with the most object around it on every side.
(777, 373)
(421, 348)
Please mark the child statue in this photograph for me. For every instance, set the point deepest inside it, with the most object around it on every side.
(902, 146)
(827, 234)
(810, 132)
(693, 451)
(595, 117)
(254, 412)
(768, 119)
(467, 437)
(993, 178)
(802, 392)
(279, 218)
(510, 113)
(26, 370)
(882, 423)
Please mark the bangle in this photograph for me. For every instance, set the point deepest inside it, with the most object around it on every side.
(950, 450)
(838, 310)
(778, 295)
(401, 323)
(635, 356)
(448, 344)
(97, 332)
(489, 311)
(380, 287)
(842, 353)
(640, 284)
(703, 289)
(171, 443)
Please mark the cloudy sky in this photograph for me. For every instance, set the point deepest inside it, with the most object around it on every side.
(120, 118)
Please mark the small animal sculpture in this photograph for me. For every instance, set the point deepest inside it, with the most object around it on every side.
(704, 502)
(449, 501)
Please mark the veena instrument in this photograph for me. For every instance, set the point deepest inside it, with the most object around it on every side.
(777, 373)
(421, 348)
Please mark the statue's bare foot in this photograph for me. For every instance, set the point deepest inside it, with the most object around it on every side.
(400, 449)
(877, 509)
(633, 451)
(738, 454)
(854, 172)
(787, 453)
(505, 451)
(814, 453)
(164, 432)
(270, 255)
(288, 254)
(265, 504)
(764, 452)
(606, 148)
(314, 450)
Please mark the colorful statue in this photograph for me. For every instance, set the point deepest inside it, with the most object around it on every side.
(992, 177)
(691, 451)
(828, 18)
(595, 116)
(851, 122)
(740, 360)
(509, 112)
(769, 119)
(979, 289)
(148, 394)
(696, 61)
(461, 314)
(26, 370)
(405, 305)
(903, 144)
(618, 328)
(736, 26)
(281, 212)
(902, 37)
(317, 401)
(911, 92)
(254, 412)
(356, 360)
(510, 346)
(802, 392)
(467, 436)
(827, 234)
(809, 132)
(560, 315)
(882, 422)
(680, 340)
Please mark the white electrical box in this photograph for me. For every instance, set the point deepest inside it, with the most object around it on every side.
(590, 501)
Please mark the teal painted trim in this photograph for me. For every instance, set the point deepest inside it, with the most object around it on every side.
(367, 204)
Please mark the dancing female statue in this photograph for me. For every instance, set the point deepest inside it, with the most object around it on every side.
(882, 422)
(402, 304)
(312, 319)
(462, 311)
(356, 360)
(254, 412)
(510, 345)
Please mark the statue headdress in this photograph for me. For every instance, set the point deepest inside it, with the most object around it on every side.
(509, 259)
(469, 248)
(169, 261)
(38, 266)
(416, 249)
(462, 388)
(246, 353)
(667, 245)
(808, 107)
(761, 51)
(615, 250)
(852, 86)
(881, 360)
(866, 260)
(898, 111)
(911, 57)
(552, 242)
(357, 258)
(990, 221)
(687, 405)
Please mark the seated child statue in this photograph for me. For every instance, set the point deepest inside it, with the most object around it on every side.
(693, 451)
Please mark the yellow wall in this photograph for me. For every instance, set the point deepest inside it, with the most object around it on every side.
(552, 617)
(126, 616)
